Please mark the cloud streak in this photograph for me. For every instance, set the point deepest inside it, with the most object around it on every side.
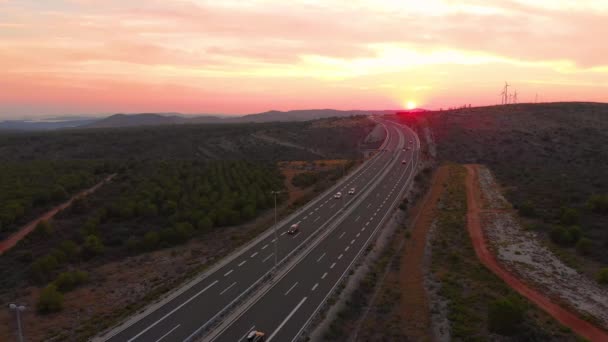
(237, 57)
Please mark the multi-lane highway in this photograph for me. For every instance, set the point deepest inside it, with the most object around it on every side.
(286, 308)
(195, 307)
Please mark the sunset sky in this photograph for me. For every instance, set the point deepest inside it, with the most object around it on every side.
(237, 57)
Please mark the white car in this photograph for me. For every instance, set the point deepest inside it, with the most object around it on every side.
(403, 161)
(351, 191)
(338, 195)
(293, 229)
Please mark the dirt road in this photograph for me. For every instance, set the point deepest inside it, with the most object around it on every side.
(414, 301)
(564, 316)
(12, 240)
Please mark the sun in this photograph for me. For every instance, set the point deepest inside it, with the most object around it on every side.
(410, 105)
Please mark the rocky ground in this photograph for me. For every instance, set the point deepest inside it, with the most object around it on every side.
(523, 254)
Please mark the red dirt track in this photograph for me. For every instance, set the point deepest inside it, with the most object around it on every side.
(12, 240)
(564, 316)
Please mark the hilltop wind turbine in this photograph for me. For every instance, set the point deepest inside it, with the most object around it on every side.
(515, 96)
(505, 93)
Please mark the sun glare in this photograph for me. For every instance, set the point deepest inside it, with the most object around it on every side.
(410, 105)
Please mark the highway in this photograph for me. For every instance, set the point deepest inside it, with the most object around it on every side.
(202, 302)
(286, 308)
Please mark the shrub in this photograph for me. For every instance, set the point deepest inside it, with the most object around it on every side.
(305, 179)
(43, 267)
(44, 228)
(50, 300)
(205, 224)
(151, 240)
(584, 246)
(598, 204)
(92, 246)
(602, 276)
(566, 236)
(527, 209)
(67, 281)
(70, 248)
(505, 316)
(569, 216)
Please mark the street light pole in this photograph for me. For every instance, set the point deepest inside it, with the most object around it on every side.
(276, 238)
(18, 309)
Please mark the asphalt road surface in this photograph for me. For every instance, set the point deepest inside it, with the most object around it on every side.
(285, 309)
(180, 317)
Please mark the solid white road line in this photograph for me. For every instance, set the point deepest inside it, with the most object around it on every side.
(266, 245)
(287, 319)
(341, 235)
(268, 257)
(332, 265)
(254, 254)
(228, 288)
(314, 287)
(291, 288)
(321, 257)
(167, 334)
(172, 311)
(324, 275)
(242, 263)
(227, 273)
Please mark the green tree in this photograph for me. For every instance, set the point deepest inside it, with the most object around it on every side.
(50, 300)
(43, 267)
(505, 316)
(584, 246)
(44, 228)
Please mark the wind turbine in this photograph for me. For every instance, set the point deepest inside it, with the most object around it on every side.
(505, 94)
(515, 97)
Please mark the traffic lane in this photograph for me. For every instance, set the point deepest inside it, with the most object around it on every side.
(156, 323)
(330, 250)
(321, 280)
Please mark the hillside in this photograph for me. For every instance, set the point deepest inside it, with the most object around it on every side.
(550, 158)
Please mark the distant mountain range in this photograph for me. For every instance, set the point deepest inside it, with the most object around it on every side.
(154, 119)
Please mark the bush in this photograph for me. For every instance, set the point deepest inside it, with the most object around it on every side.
(505, 316)
(50, 300)
(151, 240)
(70, 248)
(527, 209)
(598, 204)
(67, 281)
(92, 246)
(584, 246)
(43, 267)
(602, 276)
(569, 216)
(566, 236)
(305, 179)
(44, 228)
(205, 224)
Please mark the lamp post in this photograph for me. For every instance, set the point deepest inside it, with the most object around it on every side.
(18, 309)
(276, 237)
